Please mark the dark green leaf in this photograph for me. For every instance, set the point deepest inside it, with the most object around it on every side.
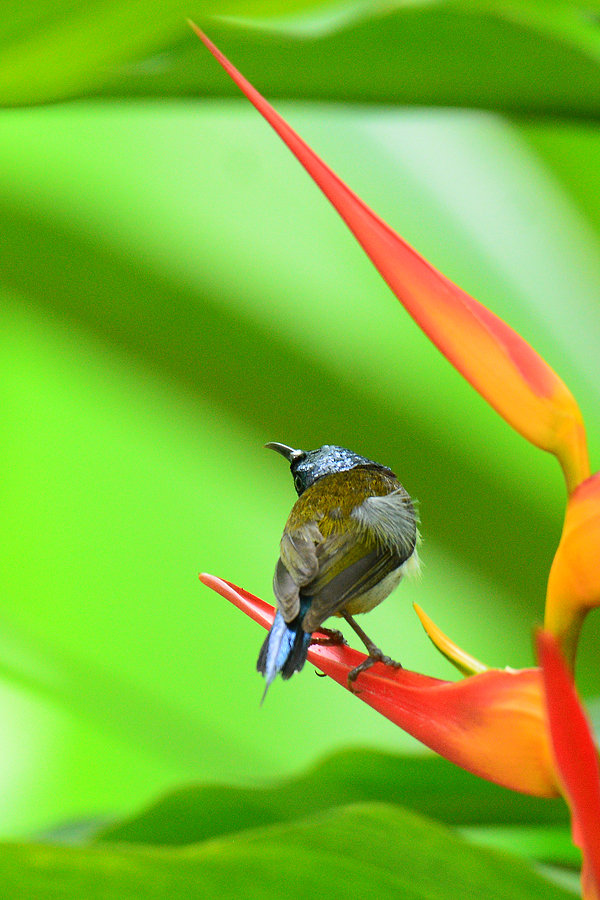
(428, 785)
(367, 850)
(50, 50)
(535, 57)
(477, 55)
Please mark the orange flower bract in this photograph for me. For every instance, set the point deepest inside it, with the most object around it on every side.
(496, 360)
(574, 582)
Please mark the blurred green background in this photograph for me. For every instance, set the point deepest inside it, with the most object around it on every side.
(175, 292)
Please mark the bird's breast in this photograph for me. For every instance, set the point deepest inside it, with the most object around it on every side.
(366, 602)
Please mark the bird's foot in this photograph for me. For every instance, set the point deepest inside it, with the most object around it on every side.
(332, 637)
(375, 656)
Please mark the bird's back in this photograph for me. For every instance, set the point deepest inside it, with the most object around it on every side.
(345, 538)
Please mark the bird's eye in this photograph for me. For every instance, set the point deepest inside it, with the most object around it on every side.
(298, 483)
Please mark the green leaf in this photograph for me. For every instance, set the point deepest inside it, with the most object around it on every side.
(474, 54)
(502, 56)
(366, 850)
(51, 50)
(428, 785)
(542, 843)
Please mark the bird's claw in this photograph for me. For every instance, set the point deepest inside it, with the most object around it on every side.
(375, 656)
(333, 637)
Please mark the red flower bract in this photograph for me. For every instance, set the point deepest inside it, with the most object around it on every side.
(576, 759)
(492, 724)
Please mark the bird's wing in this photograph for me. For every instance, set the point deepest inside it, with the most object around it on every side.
(297, 566)
(377, 538)
(346, 571)
(356, 553)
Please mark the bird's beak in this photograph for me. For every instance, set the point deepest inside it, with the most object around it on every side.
(290, 454)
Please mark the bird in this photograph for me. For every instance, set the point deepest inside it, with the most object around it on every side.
(350, 537)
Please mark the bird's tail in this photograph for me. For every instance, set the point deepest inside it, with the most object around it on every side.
(285, 648)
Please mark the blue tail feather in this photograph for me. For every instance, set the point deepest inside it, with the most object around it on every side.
(285, 647)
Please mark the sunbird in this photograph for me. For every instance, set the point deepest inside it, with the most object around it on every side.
(350, 537)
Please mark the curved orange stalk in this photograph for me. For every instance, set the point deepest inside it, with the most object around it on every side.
(498, 363)
(491, 724)
(576, 759)
(574, 582)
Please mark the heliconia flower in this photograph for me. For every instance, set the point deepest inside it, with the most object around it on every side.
(574, 582)
(497, 362)
(576, 759)
(492, 724)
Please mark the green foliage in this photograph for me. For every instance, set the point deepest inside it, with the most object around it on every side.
(428, 785)
(377, 822)
(353, 848)
(174, 294)
(503, 55)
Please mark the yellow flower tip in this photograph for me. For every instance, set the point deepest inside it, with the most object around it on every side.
(574, 581)
(464, 662)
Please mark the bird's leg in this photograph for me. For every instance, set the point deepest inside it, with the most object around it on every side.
(332, 636)
(375, 654)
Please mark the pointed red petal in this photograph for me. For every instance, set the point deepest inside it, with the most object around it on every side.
(576, 758)
(505, 370)
(467, 722)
